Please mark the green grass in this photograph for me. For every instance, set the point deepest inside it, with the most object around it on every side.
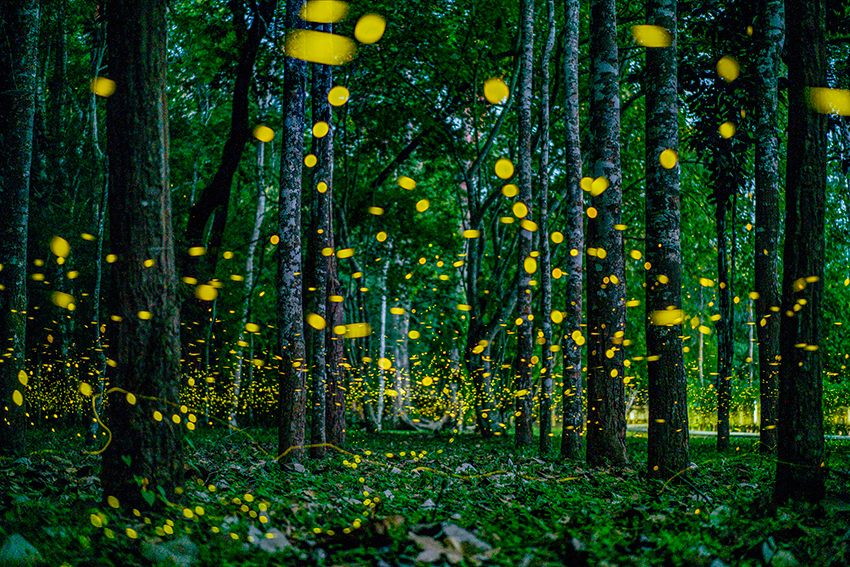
(339, 511)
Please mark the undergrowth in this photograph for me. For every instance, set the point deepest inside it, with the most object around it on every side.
(407, 499)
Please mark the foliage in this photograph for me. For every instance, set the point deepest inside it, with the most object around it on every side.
(366, 503)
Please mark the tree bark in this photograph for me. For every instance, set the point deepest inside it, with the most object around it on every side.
(771, 35)
(800, 469)
(573, 426)
(259, 215)
(290, 314)
(336, 391)
(145, 343)
(668, 401)
(724, 326)
(525, 346)
(606, 307)
(320, 248)
(19, 23)
(545, 258)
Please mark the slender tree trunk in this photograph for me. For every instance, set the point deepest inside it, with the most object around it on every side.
(334, 345)
(321, 248)
(101, 193)
(382, 347)
(724, 328)
(336, 391)
(800, 469)
(525, 346)
(335, 424)
(145, 343)
(606, 307)
(771, 35)
(290, 315)
(701, 338)
(19, 22)
(573, 428)
(259, 214)
(545, 259)
(217, 194)
(668, 399)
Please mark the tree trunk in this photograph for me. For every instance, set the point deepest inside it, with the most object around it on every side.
(97, 365)
(335, 416)
(335, 346)
(771, 35)
(382, 347)
(217, 193)
(668, 400)
(545, 258)
(573, 427)
(19, 23)
(401, 384)
(145, 343)
(724, 326)
(800, 470)
(701, 339)
(259, 214)
(290, 315)
(321, 248)
(525, 346)
(606, 307)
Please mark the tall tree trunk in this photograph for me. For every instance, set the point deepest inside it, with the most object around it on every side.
(321, 248)
(97, 365)
(701, 338)
(382, 347)
(545, 259)
(800, 470)
(18, 61)
(259, 214)
(145, 343)
(771, 35)
(724, 326)
(573, 427)
(606, 280)
(335, 416)
(217, 193)
(668, 397)
(290, 315)
(525, 346)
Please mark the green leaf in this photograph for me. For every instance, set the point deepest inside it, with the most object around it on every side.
(149, 497)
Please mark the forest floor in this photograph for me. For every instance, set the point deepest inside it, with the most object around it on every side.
(413, 499)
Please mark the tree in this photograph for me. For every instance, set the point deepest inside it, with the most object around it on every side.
(320, 239)
(800, 471)
(573, 427)
(770, 33)
(545, 257)
(606, 307)
(18, 46)
(290, 314)
(246, 307)
(144, 335)
(668, 402)
(527, 264)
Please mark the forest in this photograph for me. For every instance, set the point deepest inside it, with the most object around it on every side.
(466, 282)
